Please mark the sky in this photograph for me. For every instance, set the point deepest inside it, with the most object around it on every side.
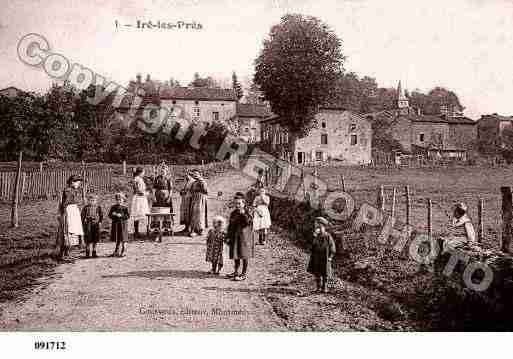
(463, 45)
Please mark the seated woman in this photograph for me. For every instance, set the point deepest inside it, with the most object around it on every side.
(461, 231)
(162, 187)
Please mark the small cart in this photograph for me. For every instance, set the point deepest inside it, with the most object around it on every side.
(160, 223)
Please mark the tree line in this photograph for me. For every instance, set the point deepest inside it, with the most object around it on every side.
(63, 125)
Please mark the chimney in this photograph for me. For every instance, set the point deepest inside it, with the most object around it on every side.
(148, 79)
(138, 77)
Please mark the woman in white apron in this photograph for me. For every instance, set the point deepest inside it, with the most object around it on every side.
(139, 207)
(70, 221)
(261, 215)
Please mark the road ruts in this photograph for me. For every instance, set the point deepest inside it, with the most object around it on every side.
(156, 287)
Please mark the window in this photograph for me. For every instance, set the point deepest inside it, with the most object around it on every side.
(318, 156)
(323, 124)
(421, 137)
(354, 140)
(215, 116)
(174, 102)
(324, 139)
(246, 129)
(196, 112)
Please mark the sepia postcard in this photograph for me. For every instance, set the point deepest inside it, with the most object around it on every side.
(259, 167)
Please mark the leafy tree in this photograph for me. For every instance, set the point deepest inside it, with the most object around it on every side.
(237, 86)
(297, 69)
(431, 103)
(254, 95)
(198, 81)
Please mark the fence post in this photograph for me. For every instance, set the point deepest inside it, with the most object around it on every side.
(15, 201)
(22, 187)
(408, 205)
(83, 181)
(40, 166)
(343, 183)
(124, 167)
(506, 219)
(430, 218)
(392, 211)
(480, 227)
(381, 198)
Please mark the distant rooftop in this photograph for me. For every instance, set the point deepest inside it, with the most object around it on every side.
(253, 110)
(198, 94)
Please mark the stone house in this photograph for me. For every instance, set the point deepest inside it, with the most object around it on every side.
(448, 134)
(196, 104)
(490, 128)
(248, 118)
(340, 135)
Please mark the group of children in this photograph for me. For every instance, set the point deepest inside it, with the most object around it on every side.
(239, 235)
(92, 217)
(244, 223)
(87, 223)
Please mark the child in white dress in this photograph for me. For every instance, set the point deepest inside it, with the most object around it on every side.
(261, 215)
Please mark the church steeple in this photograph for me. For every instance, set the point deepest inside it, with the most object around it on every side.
(402, 100)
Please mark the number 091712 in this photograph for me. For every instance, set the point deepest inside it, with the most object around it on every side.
(50, 345)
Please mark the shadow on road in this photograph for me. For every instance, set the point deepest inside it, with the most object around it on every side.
(284, 291)
(163, 274)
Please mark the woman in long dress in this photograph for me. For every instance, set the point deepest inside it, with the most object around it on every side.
(139, 207)
(185, 195)
(163, 187)
(198, 204)
(70, 220)
(261, 215)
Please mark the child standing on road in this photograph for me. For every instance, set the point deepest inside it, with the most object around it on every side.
(119, 231)
(92, 217)
(240, 238)
(261, 215)
(323, 251)
(215, 242)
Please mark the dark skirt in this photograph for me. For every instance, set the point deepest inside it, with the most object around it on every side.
(319, 265)
(91, 233)
(119, 231)
(163, 199)
(243, 245)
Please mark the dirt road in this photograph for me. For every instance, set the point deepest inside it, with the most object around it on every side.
(158, 286)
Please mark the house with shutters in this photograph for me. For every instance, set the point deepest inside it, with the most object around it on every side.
(196, 104)
(339, 135)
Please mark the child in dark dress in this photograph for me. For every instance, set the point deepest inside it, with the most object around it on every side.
(239, 237)
(92, 217)
(119, 231)
(323, 251)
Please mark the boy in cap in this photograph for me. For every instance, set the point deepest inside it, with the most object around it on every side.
(322, 252)
(92, 217)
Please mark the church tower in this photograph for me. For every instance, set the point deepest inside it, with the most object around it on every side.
(402, 101)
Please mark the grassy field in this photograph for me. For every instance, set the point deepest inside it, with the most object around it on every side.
(444, 186)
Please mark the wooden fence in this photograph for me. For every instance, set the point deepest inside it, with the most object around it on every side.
(49, 184)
